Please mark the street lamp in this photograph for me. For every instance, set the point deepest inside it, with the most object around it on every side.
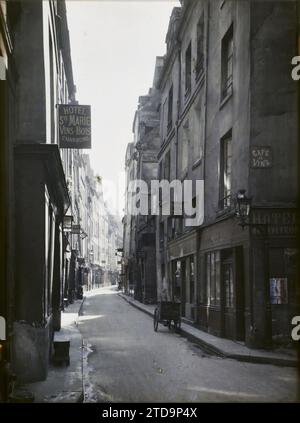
(67, 223)
(242, 207)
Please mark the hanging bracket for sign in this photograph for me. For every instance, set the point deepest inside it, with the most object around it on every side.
(74, 126)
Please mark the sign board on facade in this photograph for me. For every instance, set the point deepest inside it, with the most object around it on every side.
(261, 157)
(279, 222)
(2, 69)
(2, 329)
(74, 122)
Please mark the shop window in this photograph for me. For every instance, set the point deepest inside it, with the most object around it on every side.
(177, 278)
(228, 283)
(213, 278)
(278, 291)
(282, 270)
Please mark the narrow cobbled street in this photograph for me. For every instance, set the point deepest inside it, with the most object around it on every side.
(128, 362)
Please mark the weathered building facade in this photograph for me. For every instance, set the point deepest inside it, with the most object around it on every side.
(141, 165)
(228, 102)
(53, 216)
(40, 189)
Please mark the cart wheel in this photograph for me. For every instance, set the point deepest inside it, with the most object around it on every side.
(155, 319)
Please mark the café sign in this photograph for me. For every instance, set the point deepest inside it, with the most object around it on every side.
(74, 122)
(261, 157)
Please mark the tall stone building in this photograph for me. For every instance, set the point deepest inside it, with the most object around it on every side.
(53, 216)
(229, 116)
(141, 165)
(38, 76)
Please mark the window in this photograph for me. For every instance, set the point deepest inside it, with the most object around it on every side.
(192, 280)
(163, 120)
(227, 64)
(200, 44)
(213, 278)
(228, 282)
(170, 109)
(171, 228)
(161, 235)
(163, 271)
(52, 91)
(167, 166)
(185, 148)
(188, 70)
(278, 290)
(160, 170)
(179, 226)
(197, 122)
(49, 252)
(225, 172)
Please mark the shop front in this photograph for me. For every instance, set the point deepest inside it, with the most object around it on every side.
(247, 288)
(182, 259)
(41, 202)
(222, 293)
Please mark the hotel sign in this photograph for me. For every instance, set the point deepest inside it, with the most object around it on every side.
(74, 122)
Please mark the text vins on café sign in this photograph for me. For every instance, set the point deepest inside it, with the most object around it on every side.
(74, 123)
(261, 157)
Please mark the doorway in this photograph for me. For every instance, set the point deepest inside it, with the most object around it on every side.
(232, 294)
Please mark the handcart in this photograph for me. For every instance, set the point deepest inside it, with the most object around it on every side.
(167, 312)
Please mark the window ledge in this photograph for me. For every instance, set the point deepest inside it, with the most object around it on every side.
(225, 99)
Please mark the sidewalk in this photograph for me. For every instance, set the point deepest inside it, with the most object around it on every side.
(64, 383)
(225, 347)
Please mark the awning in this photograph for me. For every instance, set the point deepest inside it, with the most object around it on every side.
(54, 176)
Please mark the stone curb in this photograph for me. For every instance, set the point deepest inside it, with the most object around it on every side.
(221, 353)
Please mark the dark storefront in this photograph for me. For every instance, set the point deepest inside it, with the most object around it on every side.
(41, 202)
(247, 281)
